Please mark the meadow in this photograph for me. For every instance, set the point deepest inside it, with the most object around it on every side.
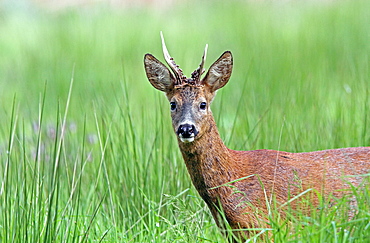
(87, 152)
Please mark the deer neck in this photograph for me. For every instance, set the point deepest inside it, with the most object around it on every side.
(208, 160)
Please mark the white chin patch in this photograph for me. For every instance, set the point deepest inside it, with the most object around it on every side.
(187, 140)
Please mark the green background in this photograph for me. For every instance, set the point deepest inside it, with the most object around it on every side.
(87, 151)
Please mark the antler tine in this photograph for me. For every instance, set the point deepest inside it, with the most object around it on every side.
(201, 65)
(175, 68)
(200, 70)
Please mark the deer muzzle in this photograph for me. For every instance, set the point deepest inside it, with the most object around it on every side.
(187, 133)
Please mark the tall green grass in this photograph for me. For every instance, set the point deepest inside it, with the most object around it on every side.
(87, 152)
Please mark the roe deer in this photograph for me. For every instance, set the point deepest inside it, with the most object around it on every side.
(254, 175)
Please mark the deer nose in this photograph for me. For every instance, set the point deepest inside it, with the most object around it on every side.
(187, 131)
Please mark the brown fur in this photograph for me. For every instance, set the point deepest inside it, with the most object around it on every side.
(240, 183)
(211, 164)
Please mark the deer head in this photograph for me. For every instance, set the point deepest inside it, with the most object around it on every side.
(189, 98)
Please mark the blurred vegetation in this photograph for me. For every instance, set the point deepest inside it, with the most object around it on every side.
(300, 83)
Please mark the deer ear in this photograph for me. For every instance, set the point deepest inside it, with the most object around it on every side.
(219, 73)
(158, 74)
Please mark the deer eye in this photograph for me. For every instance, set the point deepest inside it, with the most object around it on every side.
(173, 106)
(203, 105)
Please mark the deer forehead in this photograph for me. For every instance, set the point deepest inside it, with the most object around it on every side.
(189, 93)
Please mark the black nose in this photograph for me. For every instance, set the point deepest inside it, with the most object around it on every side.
(187, 131)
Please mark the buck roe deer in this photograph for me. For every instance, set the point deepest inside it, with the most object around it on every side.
(236, 184)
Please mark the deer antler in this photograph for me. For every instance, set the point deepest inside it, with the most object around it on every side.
(175, 68)
(200, 70)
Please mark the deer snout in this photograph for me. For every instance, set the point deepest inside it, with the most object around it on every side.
(187, 132)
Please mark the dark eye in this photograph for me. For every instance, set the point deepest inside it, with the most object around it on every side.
(173, 106)
(203, 105)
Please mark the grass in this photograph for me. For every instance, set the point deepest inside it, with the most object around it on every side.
(86, 150)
